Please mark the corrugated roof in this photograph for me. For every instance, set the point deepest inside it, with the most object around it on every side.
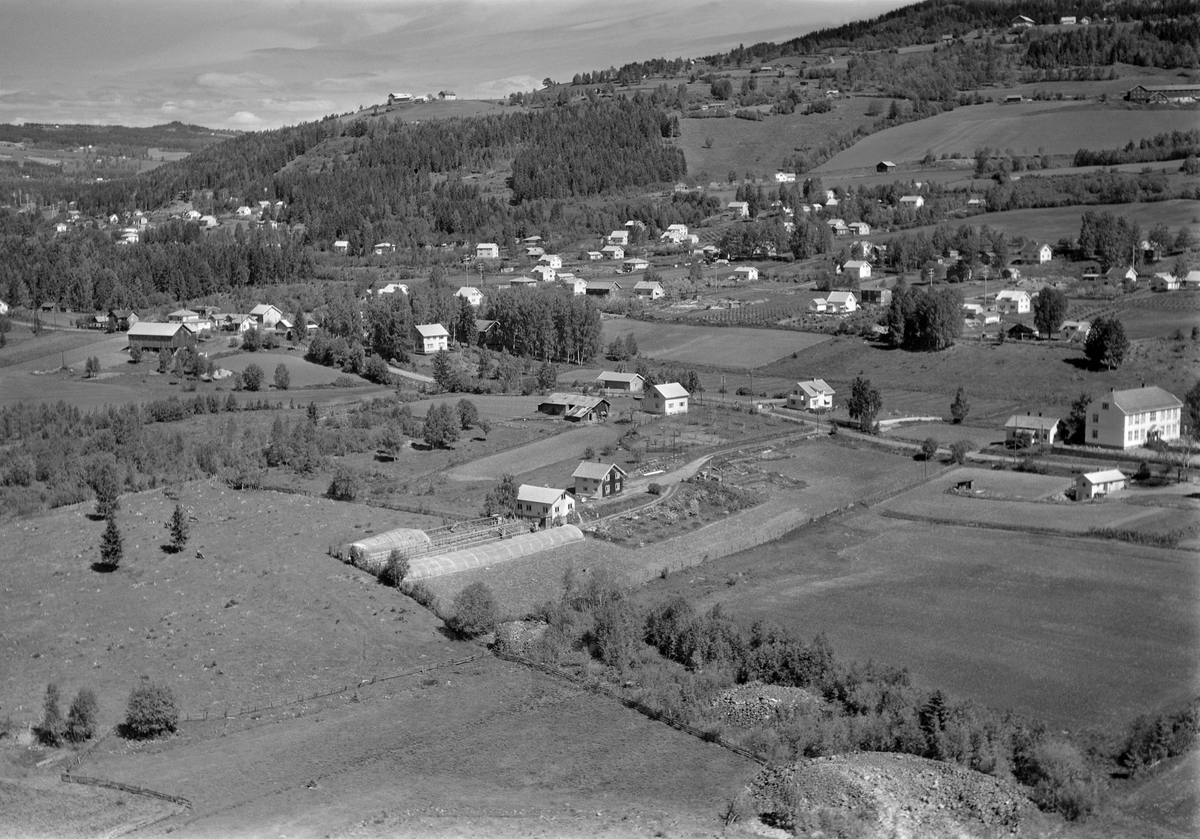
(670, 390)
(1027, 421)
(1104, 476)
(144, 329)
(595, 471)
(539, 495)
(1137, 399)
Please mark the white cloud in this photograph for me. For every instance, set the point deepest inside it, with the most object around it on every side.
(246, 119)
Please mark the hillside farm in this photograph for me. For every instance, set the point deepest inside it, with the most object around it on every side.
(1057, 127)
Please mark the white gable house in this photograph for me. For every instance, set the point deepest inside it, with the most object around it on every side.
(432, 337)
(666, 399)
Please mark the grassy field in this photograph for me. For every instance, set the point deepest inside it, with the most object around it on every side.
(732, 347)
(759, 148)
(302, 373)
(1049, 224)
(488, 748)
(1027, 376)
(1057, 127)
(1073, 631)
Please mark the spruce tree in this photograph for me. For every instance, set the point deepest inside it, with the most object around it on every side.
(178, 528)
(112, 548)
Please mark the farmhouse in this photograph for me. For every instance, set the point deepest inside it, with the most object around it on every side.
(266, 315)
(1020, 22)
(238, 322)
(551, 259)
(432, 337)
(471, 294)
(857, 268)
(1021, 332)
(912, 201)
(613, 252)
(575, 407)
(1075, 330)
(1025, 430)
(383, 247)
(598, 480)
(785, 177)
(578, 285)
(812, 395)
(545, 273)
(602, 288)
(745, 272)
(1164, 281)
(972, 310)
(1191, 280)
(1121, 275)
(153, 337)
(1092, 484)
(838, 227)
(118, 319)
(397, 98)
(1164, 93)
(740, 209)
(875, 296)
(341, 246)
(885, 166)
(1013, 301)
(1129, 418)
(859, 228)
(666, 399)
(619, 237)
(634, 264)
(835, 302)
(534, 251)
(648, 290)
(1036, 254)
(617, 383)
(391, 288)
(183, 316)
(487, 250)
(596, 256)
(1067, 20)
(548, 507)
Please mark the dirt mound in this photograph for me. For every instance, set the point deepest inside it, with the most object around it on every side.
(753, 703)
(891, 795)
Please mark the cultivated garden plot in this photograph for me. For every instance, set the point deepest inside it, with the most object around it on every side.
(1085, 634)
(734, 347)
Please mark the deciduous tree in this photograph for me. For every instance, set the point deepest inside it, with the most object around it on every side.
(1106, 342)
(1049, 311)
(475, 611)
(283, 379)
(864, 404)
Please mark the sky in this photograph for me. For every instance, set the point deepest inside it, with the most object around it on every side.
(254, 64)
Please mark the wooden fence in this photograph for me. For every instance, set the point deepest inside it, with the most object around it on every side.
(309, 697)
(131, 788)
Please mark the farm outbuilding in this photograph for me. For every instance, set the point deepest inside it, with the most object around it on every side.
(575, 407)
(374, 550)
(1093, 484)
(158, 336)
(1021, 429)
(620, 382)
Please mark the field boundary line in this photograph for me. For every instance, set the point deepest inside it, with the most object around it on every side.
(130, 788)
(243, 710)
(633, 704)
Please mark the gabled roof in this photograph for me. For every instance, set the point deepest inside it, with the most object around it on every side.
(816, 387)
(670, 390)
(1136, 399)
(606, 376)
(184, 313)
(432, 330)
(1012, 294)
(840, 297)
(142, 328)
(601, 285)
(482, 325)
(1104, 476)
(647, 286)
(855, 264)
(539, 495)
(262, 309)
(595, 471)
(1028, 421)
(467, 290)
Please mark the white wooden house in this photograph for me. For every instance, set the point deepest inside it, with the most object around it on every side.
(667, 399)
(432, 337)
(546, 506)
(812, 395)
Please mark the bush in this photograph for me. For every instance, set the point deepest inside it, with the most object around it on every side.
(81, 719)
(654, 489)
(151, 712)
(422, 594)
(1060, 778)
(396, 570)
(959, 450)
(474, 611)
(252, 377)
(345, 486)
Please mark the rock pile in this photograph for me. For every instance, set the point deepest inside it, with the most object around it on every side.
(753, 703)
(893, 795)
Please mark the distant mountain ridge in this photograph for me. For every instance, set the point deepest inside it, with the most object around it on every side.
(174, 135)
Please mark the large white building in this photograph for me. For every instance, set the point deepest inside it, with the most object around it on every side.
(1123, 419)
